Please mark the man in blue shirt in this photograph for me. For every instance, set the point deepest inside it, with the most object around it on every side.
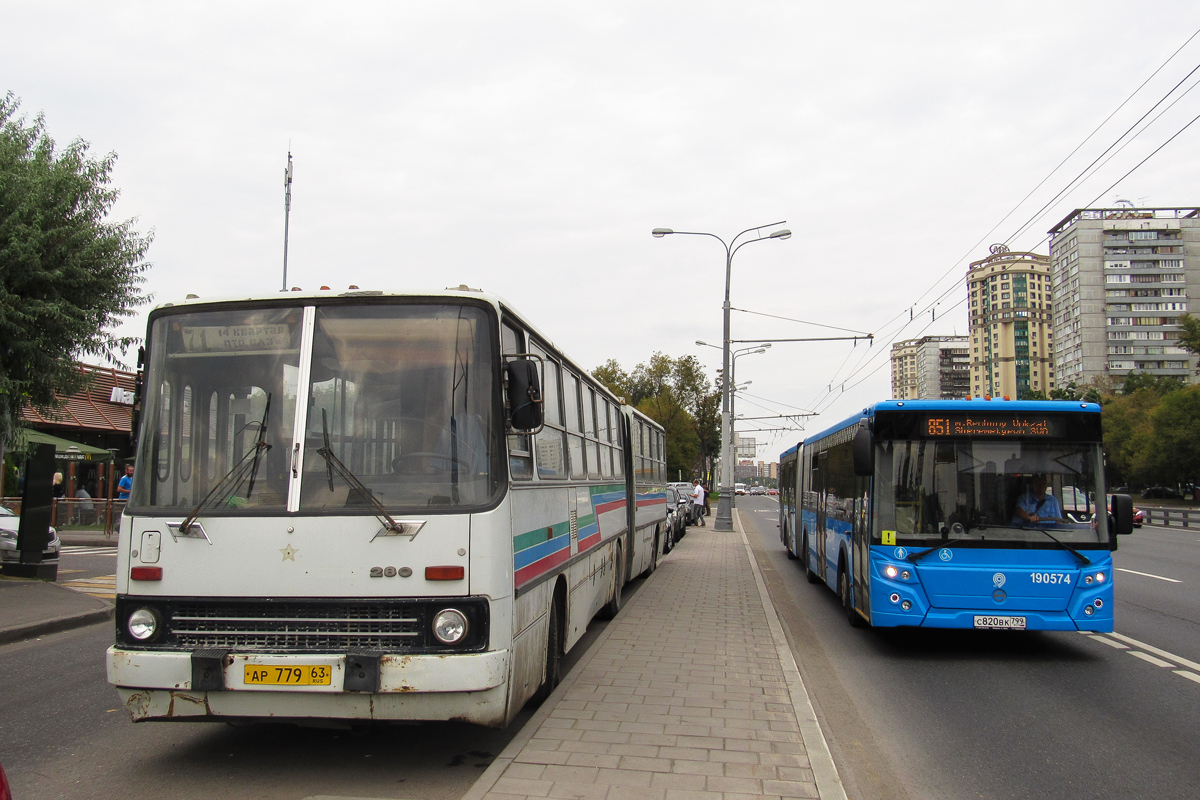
(126, 483)
(1036, 507)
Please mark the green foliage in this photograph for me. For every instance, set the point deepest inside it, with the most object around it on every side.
(1189, 338)
(1152, 435)
(675, 393)
(1158, 384)
(1033, 395)
(68, 275)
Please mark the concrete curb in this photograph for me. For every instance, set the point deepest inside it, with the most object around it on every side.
(820, 759)
(32, 630)
(496, 769)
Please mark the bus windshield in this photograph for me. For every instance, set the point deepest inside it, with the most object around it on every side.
(992, 492)
(402, 398)
(401, 410)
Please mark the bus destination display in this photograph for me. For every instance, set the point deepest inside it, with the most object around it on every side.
(971, 425)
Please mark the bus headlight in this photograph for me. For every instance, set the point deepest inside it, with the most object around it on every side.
(142, 624)
(890, 571)
(449, 626)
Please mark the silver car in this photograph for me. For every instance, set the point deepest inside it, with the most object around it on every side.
(9, 522)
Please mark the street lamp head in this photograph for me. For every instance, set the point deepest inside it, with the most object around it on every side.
(658, 233)
(782, 233)
(761, 350)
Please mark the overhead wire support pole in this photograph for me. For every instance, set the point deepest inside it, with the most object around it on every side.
(724, 520)
(287, 213)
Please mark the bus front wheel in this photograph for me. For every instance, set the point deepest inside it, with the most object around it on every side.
(852, 616)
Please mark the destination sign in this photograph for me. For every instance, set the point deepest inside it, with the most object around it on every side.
(976, 426)
(236, 338)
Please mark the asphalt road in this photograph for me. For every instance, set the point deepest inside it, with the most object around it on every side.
(64, 735)
(965, 714)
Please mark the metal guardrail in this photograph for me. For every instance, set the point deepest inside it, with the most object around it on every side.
(1172, 517)
(99, 515)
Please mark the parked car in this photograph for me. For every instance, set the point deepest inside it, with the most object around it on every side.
(9, 523)
(685, 491)
(773, 492)
(1161, 493)
(677, 509)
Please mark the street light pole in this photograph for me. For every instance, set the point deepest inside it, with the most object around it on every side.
(724, 520)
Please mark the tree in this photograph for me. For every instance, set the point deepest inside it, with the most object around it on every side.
(68, 274)
(1189, 337)
(1158, 384)
(1174, 457)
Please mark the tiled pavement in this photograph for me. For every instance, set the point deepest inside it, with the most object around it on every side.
(692, 692)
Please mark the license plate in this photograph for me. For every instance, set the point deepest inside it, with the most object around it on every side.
(290, 675)
(1001, 623)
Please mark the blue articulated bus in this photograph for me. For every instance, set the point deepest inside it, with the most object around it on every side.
(980, 513)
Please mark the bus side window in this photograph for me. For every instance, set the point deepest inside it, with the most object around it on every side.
(550, 443)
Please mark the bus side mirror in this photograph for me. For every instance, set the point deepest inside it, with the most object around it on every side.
(525, 404)
(864, 453)
(1122, 514)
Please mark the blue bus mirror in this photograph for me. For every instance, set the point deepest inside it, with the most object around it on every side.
(864, 453)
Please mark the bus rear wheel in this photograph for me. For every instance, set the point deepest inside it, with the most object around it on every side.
(613, 606)
(809, 575)
(653, 565)
(553, 656)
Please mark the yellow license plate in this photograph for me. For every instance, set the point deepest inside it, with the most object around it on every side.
(292, 675)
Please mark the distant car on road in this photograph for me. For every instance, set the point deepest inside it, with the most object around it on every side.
(1161, 493)
(758, 490)
(9, 524)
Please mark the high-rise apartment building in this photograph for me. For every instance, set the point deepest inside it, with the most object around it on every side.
(1121, 278)
(1012, 344)
(931, 368)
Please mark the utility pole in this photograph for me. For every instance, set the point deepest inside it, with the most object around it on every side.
(287, 213)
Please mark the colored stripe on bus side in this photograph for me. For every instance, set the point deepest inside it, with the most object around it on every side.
(538, 552)
(538, 536)
(540, 567)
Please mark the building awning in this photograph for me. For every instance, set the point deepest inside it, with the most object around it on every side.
(64, 449)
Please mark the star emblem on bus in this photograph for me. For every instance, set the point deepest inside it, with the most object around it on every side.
(289, 553)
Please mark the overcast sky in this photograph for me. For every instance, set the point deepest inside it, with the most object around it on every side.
(529, 148)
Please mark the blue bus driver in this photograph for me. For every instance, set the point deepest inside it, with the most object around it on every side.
(1035, 506)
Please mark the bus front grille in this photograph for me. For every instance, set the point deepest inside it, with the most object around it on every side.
(333, 626)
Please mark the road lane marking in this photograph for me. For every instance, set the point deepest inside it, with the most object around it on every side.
(1147, 575)
(1191, 676)
(103, 586)
(1177, 659)
(88, 550)
(1109, 642)
(1158, 662)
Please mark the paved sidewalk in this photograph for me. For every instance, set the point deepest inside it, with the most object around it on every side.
(691, 692)
(30, 608)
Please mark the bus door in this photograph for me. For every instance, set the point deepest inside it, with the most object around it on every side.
(819, 473)
(860, 547)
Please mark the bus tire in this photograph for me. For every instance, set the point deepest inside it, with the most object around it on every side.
(613, 606)
(789, 542)
(852, 616)
(653, 565)
(553, 654)
(809, 575)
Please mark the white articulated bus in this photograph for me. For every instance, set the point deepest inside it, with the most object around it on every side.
(370, 506)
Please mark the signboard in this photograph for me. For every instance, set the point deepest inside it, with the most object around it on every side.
(236, 338)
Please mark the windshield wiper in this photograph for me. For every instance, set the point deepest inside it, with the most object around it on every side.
(334, 464)
(1084, 560)
(247, 464)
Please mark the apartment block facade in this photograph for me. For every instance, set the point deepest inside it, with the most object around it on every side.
(1121, 278)
(931, 368)
(1011, 334)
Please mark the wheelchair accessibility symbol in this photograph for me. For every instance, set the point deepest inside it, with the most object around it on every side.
(944, 554)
